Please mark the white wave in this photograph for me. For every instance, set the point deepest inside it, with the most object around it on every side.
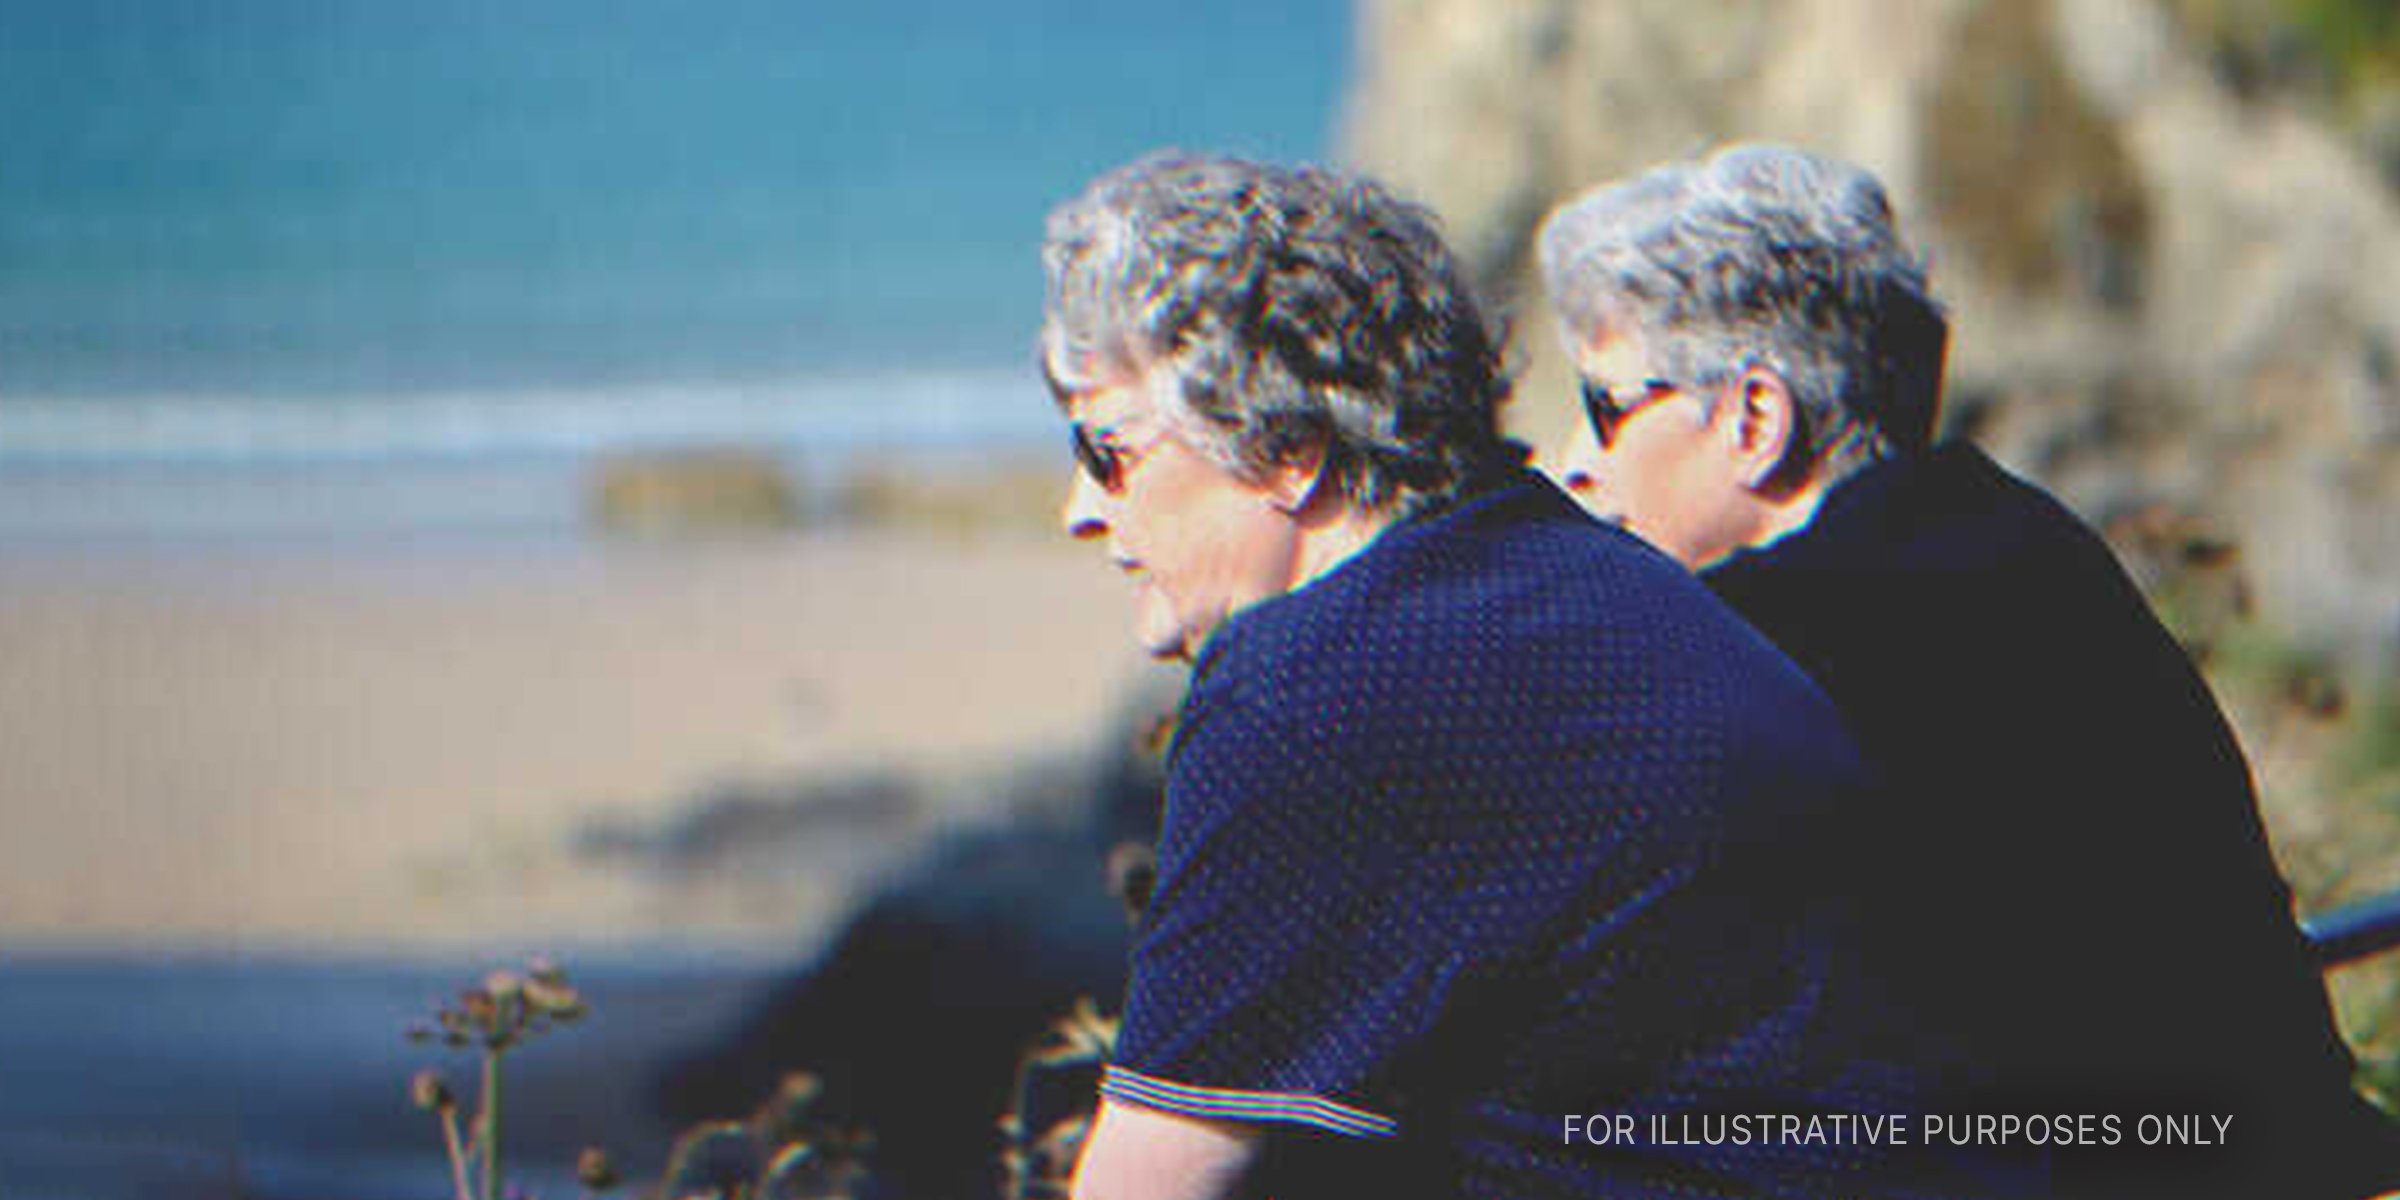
(812, 415)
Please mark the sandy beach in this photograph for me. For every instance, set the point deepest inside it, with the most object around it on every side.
(392, 746)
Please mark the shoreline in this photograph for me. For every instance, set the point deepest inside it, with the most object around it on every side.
(366, 747)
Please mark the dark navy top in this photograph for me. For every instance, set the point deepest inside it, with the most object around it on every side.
(2080, 890)
(1504, 820)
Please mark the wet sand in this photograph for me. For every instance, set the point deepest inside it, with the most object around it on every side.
(390, 746)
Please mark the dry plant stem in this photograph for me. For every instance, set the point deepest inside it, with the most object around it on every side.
(458, 1154)
(488, 1133)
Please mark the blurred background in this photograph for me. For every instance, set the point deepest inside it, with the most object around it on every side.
(488, 478)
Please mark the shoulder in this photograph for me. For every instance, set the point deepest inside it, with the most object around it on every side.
(1996, 545)
(1957, 508)
(1507, 628)
(1514, 589)
(1945, 575)
(1919, 543)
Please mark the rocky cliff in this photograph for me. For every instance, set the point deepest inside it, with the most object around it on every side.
(2166, 297)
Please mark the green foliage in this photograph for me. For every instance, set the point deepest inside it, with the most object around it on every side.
(2336, 49)
(2369, 759)
(2365, 1002)
(2360, 39)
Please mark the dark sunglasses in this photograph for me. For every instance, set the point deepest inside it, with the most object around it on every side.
(1103, 462)
(1607, 412)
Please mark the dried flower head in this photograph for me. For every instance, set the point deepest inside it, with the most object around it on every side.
(1133, 877)
(1083, 1035)
(595, 1170)
(506, 1009)
(430, 1092)
(553, 1000)
(715, 1158)
(787, 1115)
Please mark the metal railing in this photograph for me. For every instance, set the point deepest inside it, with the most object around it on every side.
(2355, 931)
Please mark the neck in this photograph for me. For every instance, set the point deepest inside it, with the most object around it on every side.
(1791, 515)
(1769, 518)
(1327, 542)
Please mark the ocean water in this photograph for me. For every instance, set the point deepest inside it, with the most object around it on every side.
(225, 1077)
(256, 233)
(306, 266)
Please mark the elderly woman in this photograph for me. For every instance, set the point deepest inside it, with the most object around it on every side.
(1492, 841)
(2086, 895)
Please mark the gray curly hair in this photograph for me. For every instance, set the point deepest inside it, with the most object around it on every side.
(1296, 308)
(1768, 256)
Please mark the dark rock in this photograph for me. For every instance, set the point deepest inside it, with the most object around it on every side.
(917, 1017)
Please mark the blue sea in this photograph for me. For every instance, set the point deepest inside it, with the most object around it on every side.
(266, 234)
(287, 1079)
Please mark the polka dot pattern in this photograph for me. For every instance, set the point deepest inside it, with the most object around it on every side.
(1508, 818)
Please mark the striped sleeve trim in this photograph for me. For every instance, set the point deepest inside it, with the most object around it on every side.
(1118, 1083)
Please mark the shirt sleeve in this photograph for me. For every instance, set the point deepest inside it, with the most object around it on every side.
(1282, 974)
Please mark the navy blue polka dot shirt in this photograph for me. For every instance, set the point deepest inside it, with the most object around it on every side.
(1502, 821)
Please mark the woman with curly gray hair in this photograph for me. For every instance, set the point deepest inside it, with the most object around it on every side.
(1480, 817)
(1288, 329)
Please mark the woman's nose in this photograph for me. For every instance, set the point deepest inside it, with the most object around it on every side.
(1081, 516)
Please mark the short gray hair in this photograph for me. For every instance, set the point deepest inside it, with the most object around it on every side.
(1763, 256)
(1296, 307)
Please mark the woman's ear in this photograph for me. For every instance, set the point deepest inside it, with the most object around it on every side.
(1292, 483)
(1765, 428)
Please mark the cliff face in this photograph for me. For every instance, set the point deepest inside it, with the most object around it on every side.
(2163, 297)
